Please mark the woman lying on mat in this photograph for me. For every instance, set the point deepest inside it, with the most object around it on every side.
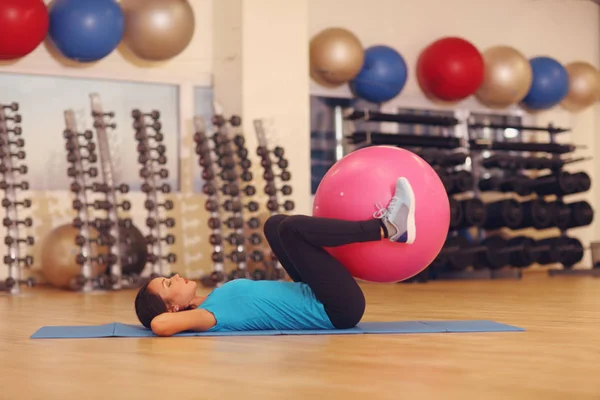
(323, 294)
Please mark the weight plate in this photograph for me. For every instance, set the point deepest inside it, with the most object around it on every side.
(456, 214)
(541, 213)
(550, 250)
(474, 211)
(463, 181)
(526, 256)
(512, 213)
(572, 254)
(582, 214)
(582, 182)
(562, 215)
(494, 257)
(459, 260)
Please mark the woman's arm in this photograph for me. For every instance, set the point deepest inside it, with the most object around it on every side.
(168, 324)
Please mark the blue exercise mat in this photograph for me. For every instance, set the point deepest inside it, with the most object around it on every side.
(117, 329)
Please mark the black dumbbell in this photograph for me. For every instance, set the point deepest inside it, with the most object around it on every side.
(232, 189)
(27, 260)
(168, 222)
(168, 239)
(144, 148)
(146, 172)
(142, 135)
(272, 190)
(144, 158)
(73, 158)
(474, 213)
(71, 145)
(219, 120)
(19, 154)
(537, 213)
(270, 176)
(9, 240)
(171, 258)
(69, 134)
(104, 125)
(12, 106)
(151, 205)
(234, 256)
(5, 185)
(504, 213)
(18, 143)
(273, 205)
(16, 118)
(263, 151)
(7, 203)
(148, 188)
(10, 222)
(267, 163)
(20, 169)
(137, 114)
(73, 171)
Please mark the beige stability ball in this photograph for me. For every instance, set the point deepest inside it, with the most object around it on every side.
(584, 86)
(336, 57)
(508, 77)
(158, 30)
(59, 252)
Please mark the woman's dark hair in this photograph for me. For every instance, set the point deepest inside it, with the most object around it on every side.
(148, 305)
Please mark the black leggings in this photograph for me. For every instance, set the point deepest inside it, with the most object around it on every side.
(298, 243)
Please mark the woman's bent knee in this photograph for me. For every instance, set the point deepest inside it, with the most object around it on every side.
(271, 226)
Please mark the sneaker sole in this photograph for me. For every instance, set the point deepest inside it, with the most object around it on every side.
(410, 224)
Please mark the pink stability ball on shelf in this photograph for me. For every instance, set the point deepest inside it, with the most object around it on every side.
(352, 187)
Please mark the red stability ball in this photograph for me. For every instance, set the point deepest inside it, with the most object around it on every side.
(450, 69)
(23, 26)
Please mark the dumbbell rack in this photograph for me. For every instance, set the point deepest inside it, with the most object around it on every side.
(13, 240)
(228, 162)
(273, 200)
(205, 150)
(109, 227)
(151, 173)
(472, 212)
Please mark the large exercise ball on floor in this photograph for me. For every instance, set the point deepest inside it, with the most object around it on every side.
(86, 30)
(584, 86)
(351, 190)
(336, 56)
(59, 256)
(550, 84)
(382, 76)
(450, 69)
(507, 77)
(23, 26)
(158, 30)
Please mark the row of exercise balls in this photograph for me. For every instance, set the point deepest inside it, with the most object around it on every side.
(451, 69)
(89, 30)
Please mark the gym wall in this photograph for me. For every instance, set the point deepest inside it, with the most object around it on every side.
(563, 29)
(46, 85)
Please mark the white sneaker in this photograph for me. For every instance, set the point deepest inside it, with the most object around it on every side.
(400, 213)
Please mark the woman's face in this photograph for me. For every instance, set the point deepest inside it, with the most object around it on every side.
(177, 292)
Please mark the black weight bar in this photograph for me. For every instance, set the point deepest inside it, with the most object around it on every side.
(404, 140)
(496, 252)
(504, 213)
(550, 128)
(375, 116)
(555, 148)
(473, 212)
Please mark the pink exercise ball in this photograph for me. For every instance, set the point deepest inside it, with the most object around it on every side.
(352, 187)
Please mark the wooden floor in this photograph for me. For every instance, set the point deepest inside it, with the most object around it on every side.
(557, 358)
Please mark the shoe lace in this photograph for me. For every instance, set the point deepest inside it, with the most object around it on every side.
(383, 211)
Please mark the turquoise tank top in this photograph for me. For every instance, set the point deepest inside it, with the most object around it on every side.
(243, 304)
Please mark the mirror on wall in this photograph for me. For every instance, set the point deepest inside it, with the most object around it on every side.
(43, 101)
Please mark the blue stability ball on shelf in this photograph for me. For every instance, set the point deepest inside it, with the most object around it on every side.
(382, 76)
(550, 84)
(86, 30)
